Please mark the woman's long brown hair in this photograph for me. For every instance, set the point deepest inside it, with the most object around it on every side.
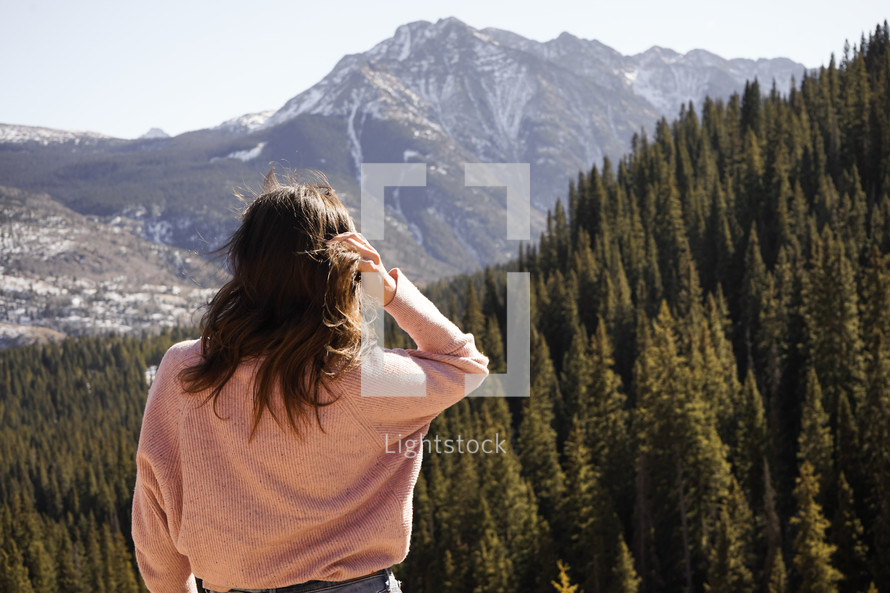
(292, 305)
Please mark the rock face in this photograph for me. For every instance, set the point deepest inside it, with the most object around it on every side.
(442, 93)
(560, 105)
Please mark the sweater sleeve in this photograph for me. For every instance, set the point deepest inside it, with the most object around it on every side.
(408, 388)
(163, 568)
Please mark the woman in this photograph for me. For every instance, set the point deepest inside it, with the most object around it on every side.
(260, 464)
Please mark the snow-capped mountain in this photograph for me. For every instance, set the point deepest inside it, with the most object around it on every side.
(503, 97)
(16, 134)
(667, 79)
(496, 96)
(244, 124)
(154, 134)
(443, 94)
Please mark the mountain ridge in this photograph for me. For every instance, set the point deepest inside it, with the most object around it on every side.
(251, 121)
(440, 93)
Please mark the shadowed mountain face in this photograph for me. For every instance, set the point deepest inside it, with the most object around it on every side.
(443, 94)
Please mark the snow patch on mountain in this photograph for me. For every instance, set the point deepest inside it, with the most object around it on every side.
(158, 231)
(244, 124)
(16, 134)
(154, 134)
(668, 80)
(411, 154)
(355, 144)
(243, 155)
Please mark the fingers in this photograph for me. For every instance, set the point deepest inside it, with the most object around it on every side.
(351, 235)
(357, 243)
(370, 260)
(361, 248)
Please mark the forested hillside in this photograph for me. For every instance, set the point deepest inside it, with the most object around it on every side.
(710, 407)
(70, 414)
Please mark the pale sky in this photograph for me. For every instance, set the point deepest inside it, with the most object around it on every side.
(121, 67)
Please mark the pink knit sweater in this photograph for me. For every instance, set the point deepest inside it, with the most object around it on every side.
(280, 510)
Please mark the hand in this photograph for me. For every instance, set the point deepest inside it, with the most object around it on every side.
(370, 262)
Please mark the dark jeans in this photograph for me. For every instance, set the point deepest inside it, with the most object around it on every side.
(381, 581)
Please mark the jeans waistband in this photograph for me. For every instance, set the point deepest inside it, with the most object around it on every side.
(385, 575)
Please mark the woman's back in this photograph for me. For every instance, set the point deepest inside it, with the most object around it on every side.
(261, 508)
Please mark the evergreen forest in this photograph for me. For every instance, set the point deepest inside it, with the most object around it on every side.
(710, 367)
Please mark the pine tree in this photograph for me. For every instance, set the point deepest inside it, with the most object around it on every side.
(847, 533)
(753, 291)
(493, 343)
(812, 552)
(538, 452)
(575, 383)
(512, 503)
(847, 447)
(718, 372)
(473, 320)
(559, 320)
(679, 438)
(13, 573)
(564, 585)
(772, 530)
(729, 562)
(644, 528)
(778, 575)
(119, 575)
(832, 319)
(874, 417)
(588, 270)
(492, 301)
(419, 569)
(493, 566)
(69, 576)
(585, 513)
(29, 534)
(815, 442)
(724, 240)
(752, 110)
(751, 439)
(624, 576)
(604, 409)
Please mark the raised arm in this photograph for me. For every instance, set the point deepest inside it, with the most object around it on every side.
(409, 388)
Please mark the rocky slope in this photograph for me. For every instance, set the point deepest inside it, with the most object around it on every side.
(62, 273)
